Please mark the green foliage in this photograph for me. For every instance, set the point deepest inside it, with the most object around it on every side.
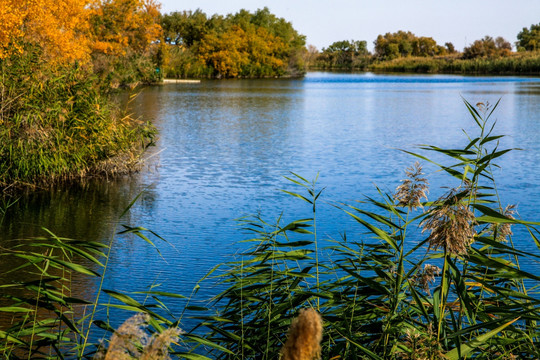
(343, 54)
(129, 70)
(48, 320)
(529, 39)
(184, 28)
(487, 47)
(521, 63)
(244, 44)
(403, 44)
(55, 125)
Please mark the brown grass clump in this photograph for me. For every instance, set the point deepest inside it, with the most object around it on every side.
(412, 189)
(305, 335)
(451, 224)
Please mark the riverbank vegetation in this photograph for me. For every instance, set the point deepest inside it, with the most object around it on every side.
(405, 52)
(59, 59)
(421, 278)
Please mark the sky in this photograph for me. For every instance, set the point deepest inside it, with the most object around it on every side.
(324, 22)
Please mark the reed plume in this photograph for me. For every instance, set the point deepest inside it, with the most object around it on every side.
(412, 189)
(131, 341)
(501, 232)
(304, 338)
(451, 224)
(427, 276)
(123, 344)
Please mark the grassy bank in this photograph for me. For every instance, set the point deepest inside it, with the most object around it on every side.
(516, 64)
(57, 125)
(420, 279)
(525, 63)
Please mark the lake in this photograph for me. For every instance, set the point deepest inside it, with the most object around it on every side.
(224, 147)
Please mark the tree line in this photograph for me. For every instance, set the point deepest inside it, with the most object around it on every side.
(401, 46)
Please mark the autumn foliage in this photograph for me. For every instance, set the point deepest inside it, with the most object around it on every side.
(119, 25)
(73, 30)
(238, 51)
(55, 122)
(60, 27)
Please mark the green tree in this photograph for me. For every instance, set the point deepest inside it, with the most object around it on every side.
(450, 48)
(487, 47)
(343, 54)
(403, 44)
(184, 28)
(529, 39)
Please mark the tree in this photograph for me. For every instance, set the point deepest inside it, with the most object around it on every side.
(119, 26)
(450, 48)
(403, 44)
(241, 44)
(58, 27)
(529, 39)
(487, 47)
(239, 52)
(184, 28)
(342, 54)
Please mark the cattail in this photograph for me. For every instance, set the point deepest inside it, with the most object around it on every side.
(412, 189)
(305, 335)
(451, 225)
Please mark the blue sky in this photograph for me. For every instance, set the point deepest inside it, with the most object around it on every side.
(323, 22)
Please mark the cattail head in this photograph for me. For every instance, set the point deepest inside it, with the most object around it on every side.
(305, 335)
(451, 224)
(412, 189)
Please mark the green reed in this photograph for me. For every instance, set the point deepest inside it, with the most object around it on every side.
(427, 279)
(49, 321)
(56, 125)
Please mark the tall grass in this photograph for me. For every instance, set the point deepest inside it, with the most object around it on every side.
(55, 125)
(423, 279)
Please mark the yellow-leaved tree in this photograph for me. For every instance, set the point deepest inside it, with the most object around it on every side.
(59, 27)
(119, 26)
(252, 51)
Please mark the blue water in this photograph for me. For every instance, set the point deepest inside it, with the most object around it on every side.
(224, 147)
